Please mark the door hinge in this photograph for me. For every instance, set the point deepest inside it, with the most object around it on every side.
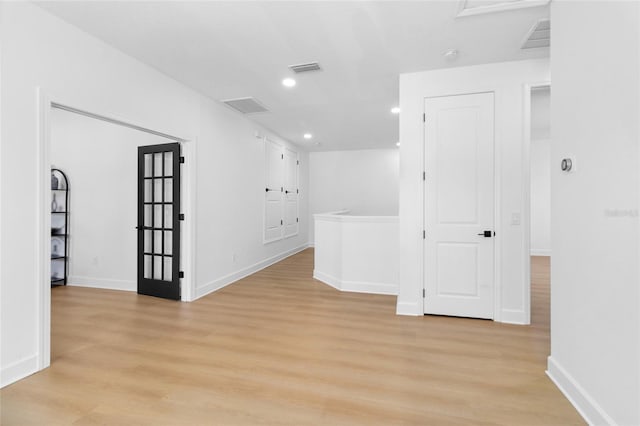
(282, 156)
(281, 189)
(297, 191)
(424, 175)
(181, 160)
(281, 222)
(297, 220)
(181, 274)
(424, 234)
(424, 118)
(297, 162)
(424, 293)
(181, 216)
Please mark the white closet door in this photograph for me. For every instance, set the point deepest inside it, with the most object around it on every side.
(274, 192)
(459, 206)
(291, 193)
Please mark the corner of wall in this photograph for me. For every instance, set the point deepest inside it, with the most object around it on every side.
(19, 370)
(410, 309)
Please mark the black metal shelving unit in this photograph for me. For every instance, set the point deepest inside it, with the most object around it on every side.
(59, 227)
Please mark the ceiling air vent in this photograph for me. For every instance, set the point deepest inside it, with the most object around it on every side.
(311, 66)
(538, 36)
(246, 105)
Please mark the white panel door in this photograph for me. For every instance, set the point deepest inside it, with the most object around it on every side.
(274, 191)
(459, 206)
(290, 193)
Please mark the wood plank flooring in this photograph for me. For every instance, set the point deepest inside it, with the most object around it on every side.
(281, 348)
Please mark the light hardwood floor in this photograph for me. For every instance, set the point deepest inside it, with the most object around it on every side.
(281, 348)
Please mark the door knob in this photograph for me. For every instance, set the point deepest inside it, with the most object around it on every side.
(487, 234)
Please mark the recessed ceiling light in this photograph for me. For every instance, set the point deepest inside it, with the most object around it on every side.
(288, 82)
(307, 136)
(397, 143)
(395, 110)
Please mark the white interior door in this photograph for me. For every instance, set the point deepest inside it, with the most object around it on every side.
(290, 193)
(274, 191)
(459, 206)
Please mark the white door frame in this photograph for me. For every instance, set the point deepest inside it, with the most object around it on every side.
(526, 192)
(43, 219)
(497, 200)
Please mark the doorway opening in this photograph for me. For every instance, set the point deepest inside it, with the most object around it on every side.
(100, 156)
(539, 136)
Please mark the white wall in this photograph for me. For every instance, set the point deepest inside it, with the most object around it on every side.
(101, 161)
(357, 253)
(365, 182)
(507, 81)
(540, 162)
(540, 197)
(231, 179)
(39, 50)
(595, 291)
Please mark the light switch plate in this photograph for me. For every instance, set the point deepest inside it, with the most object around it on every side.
(515, 218)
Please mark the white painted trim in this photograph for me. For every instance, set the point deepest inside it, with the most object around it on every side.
(497, 207)
(107, 284)
(43, 226)
(526, 194)
(588, 408)
(411, 309)
(511, 316)
(356, 286)
(43, 218)
(540, 252)
(245, 272)
(19, 370)
(189, 226)
(327, 279)
(496, 8)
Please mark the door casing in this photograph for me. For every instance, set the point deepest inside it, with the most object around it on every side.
(526, 192)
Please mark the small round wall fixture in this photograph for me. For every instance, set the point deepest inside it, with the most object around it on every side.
(288, 82)
(307, 136)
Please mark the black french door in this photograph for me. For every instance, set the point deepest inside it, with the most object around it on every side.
(159, 220)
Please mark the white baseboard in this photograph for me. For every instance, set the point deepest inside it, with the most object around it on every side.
(327, 279)
(103, 283)
(511, 316)
(311, 245)
(356, 286)
(581, 400)
(540, 252)
(245, 272)
(18, 370)
(412, 309)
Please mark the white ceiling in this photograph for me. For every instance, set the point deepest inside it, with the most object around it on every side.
(235, 49)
